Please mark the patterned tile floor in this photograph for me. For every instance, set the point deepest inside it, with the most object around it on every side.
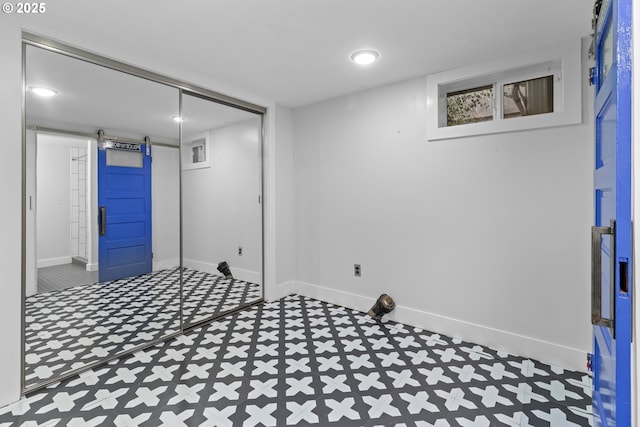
(299, 361)
(77, 326)
(208, 295)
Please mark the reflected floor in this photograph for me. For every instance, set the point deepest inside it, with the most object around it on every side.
(300, 361)
(64, 276)
(207, 295)
(71, 328)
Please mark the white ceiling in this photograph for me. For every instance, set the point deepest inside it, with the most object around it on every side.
(92, 97)
(296, 52)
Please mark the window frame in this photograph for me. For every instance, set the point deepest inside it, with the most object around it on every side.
(562, 60)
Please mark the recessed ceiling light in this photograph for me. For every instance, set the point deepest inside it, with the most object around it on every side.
(177, 119)
(43, 91)
(365, 57)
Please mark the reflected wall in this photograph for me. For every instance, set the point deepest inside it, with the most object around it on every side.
(222, 193)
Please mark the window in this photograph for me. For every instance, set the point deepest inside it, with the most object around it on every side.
(470, 106)
(195, 151)
(527, 97)
(607, 52)
(528, 91)
(520, 92)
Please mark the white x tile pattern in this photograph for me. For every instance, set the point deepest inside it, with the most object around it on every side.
(299, 361)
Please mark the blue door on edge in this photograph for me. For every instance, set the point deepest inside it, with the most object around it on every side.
(611, 235)
(124, 211)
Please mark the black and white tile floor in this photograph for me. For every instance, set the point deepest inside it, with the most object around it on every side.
(74, 327)
(299, 361)
(209, 295)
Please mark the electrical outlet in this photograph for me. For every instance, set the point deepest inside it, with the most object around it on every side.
(240, 250)
(357, 270)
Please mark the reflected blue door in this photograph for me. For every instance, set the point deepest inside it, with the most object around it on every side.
(611, 287)
(124, 217)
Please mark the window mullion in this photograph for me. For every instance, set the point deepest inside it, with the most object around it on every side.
(497, 101)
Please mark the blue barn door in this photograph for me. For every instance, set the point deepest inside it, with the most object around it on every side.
(611, 235)
(124, 210)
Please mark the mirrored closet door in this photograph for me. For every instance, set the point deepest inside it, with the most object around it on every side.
(222, 208)
(102, 221)
(143, 208)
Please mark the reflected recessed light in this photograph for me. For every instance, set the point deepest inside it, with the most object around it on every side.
(177, 119)
(365, 57)
(43, 91)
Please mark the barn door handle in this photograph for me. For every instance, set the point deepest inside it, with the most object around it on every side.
(102, 220)
(596, 274)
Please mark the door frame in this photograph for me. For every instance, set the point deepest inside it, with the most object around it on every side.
(31, 180)
(619, 361)
(635, 207)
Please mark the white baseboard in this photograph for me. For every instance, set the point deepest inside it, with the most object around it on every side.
(50, 262)
(515, 344)
(157, 265)
(163, 264)
(238, 273)
(246, 275)
(280, 291)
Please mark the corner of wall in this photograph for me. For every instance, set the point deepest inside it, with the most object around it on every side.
(284, 210)
(280, 257)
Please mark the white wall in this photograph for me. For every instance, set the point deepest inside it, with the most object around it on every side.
(220, 204)
(11, 212)
(285, 245)
(483, 238)
(165, 201)
(53, 200)
(31, 262)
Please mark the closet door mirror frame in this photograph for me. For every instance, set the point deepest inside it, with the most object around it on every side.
(29, 39)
